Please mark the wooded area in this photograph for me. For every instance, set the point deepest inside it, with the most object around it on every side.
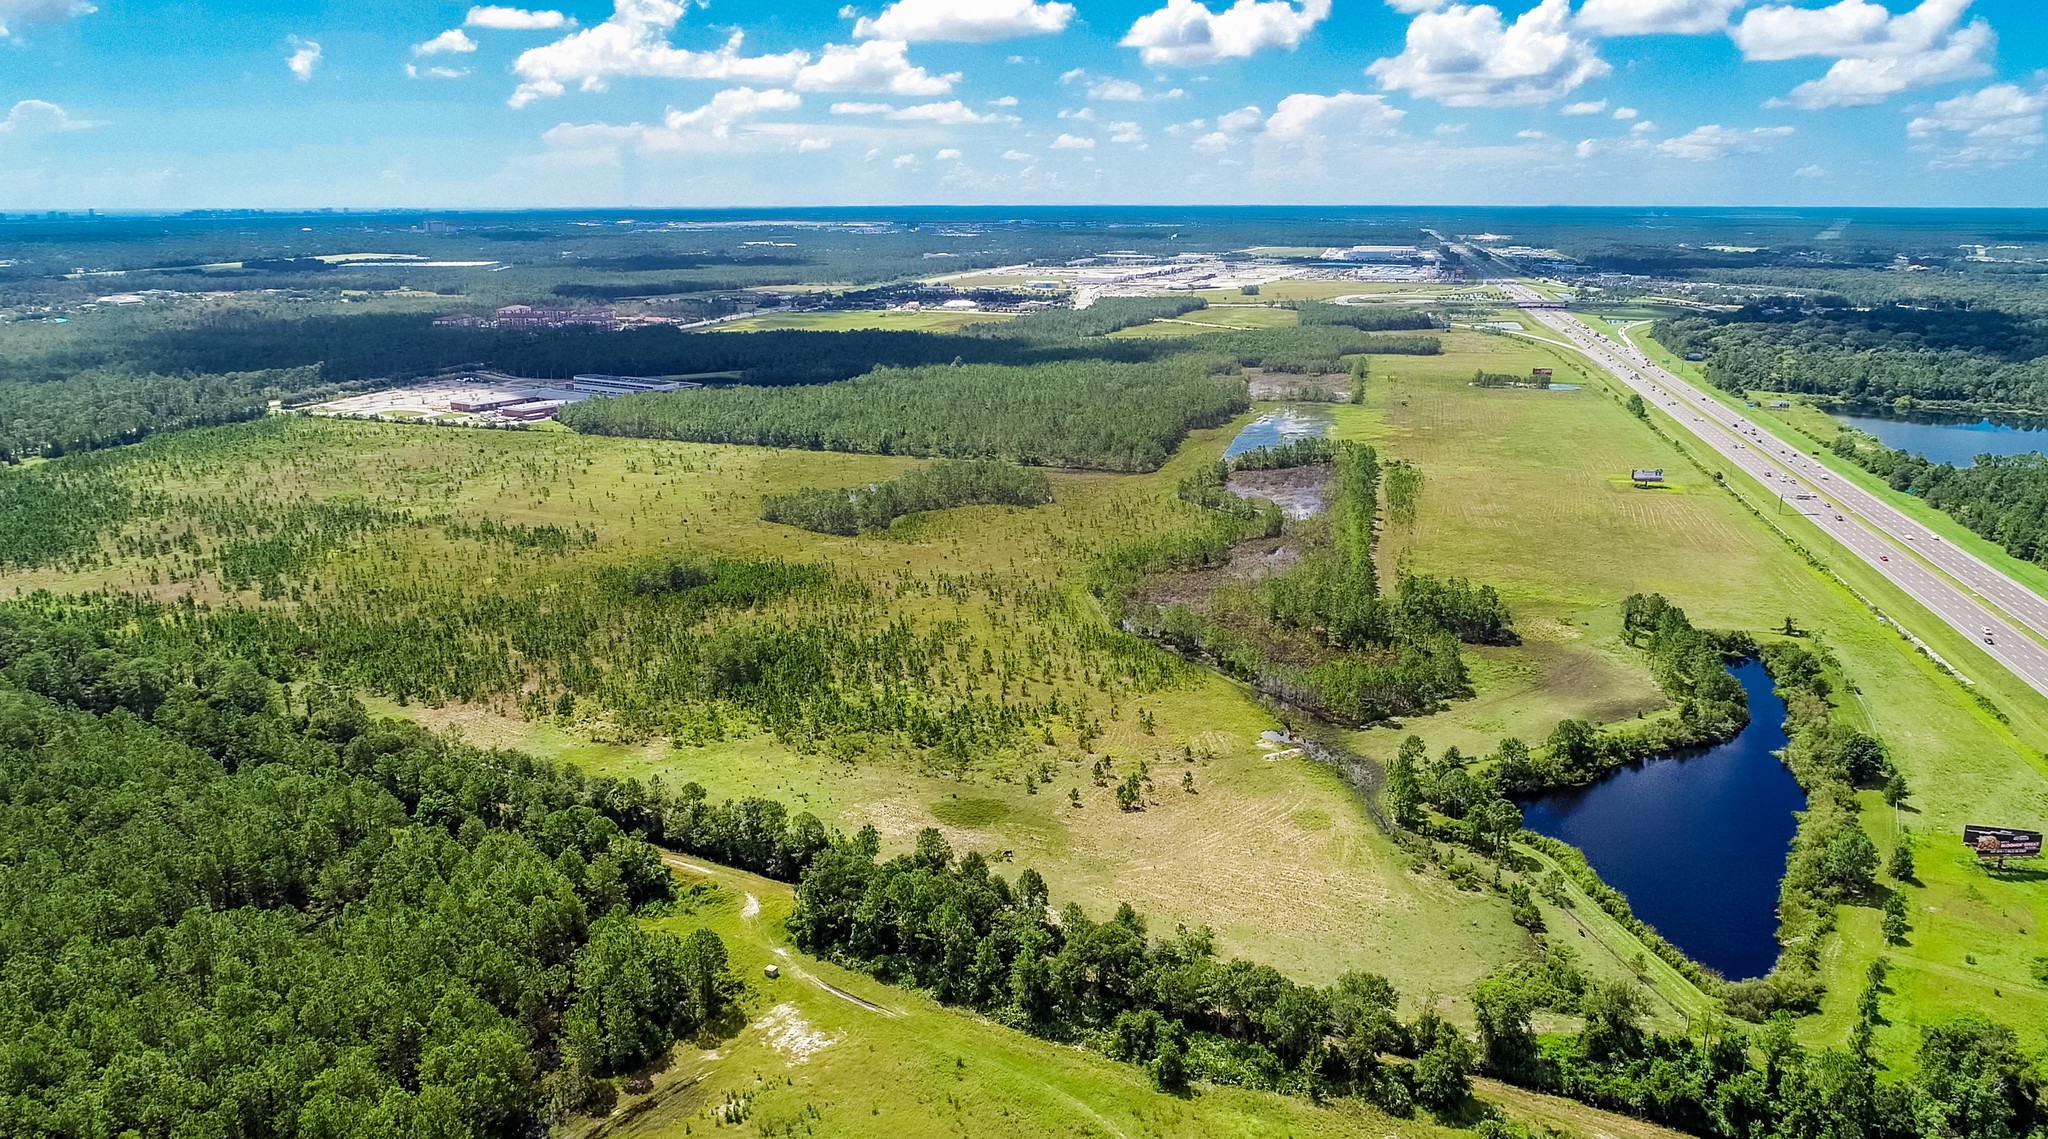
(1118, 417)
(235, 908)
(940, 486)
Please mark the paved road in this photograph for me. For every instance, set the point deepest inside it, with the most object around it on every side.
(1981, 602)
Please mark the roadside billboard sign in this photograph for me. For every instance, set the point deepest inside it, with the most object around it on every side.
(2002, 842)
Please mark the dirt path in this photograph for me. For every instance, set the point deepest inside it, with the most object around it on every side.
(804, 974)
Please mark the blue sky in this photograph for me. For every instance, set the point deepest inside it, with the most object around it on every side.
(126, 104)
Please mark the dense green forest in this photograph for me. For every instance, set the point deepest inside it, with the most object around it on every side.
(1119, 417)
(1900, 353)
(67, 391)
(234, 908)
(1371, 318)
(2000, 497)
(940, 486)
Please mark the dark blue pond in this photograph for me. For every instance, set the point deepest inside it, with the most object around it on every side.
(1696, 841)
(1955, 442)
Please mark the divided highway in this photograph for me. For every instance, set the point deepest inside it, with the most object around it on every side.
(1980, 601)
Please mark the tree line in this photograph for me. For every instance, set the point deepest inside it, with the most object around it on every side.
(940, 486)
(2002, 498)
(1370, 318)
(1120, 417)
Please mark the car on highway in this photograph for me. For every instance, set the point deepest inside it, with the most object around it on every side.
(1987, 636)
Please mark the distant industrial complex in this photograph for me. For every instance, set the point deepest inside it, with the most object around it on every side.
(490, 399)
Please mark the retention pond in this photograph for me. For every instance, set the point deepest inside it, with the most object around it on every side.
(1955, 441)
(1697, 840)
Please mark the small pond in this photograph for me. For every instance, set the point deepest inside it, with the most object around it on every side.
(1295, 421)
(1697, 841)
(1955, 441)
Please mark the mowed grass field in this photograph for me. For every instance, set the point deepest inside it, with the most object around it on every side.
(1529, 491)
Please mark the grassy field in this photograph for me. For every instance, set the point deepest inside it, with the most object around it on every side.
(862, 321)
(828, 1052)
(1216, 316)
(1529, 490)
(1291, 871)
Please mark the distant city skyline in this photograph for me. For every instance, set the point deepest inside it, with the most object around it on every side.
(717, 104)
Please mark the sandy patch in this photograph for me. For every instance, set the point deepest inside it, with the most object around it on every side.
(790, 1034)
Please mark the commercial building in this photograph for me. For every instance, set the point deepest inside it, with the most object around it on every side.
(626, 385)
(1377, 253)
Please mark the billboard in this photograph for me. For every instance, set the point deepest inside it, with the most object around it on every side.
(1655, 474)
(2002, 842)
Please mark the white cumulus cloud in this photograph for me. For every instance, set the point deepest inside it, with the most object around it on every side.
(877, 65)
(32, 118)
(41, 11)
(1625, 113)
(449, 42)
(1468, 56)
(1656, 17)
(634, 43)
(1589, 108)
(514, 19)
(707, 127)
(1998, 125)
(1300, 118)
(861, 108)
(1125, 132)
(947, 155)
(968, 21)
(951, 113)
(1188, 34)
(304, 58)
(1705, 144)
(1877, 54)
(1073, 142)
(808, 145)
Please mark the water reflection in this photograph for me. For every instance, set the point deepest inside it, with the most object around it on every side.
(1295, 421)
(1697, 842)
(1957, 442)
